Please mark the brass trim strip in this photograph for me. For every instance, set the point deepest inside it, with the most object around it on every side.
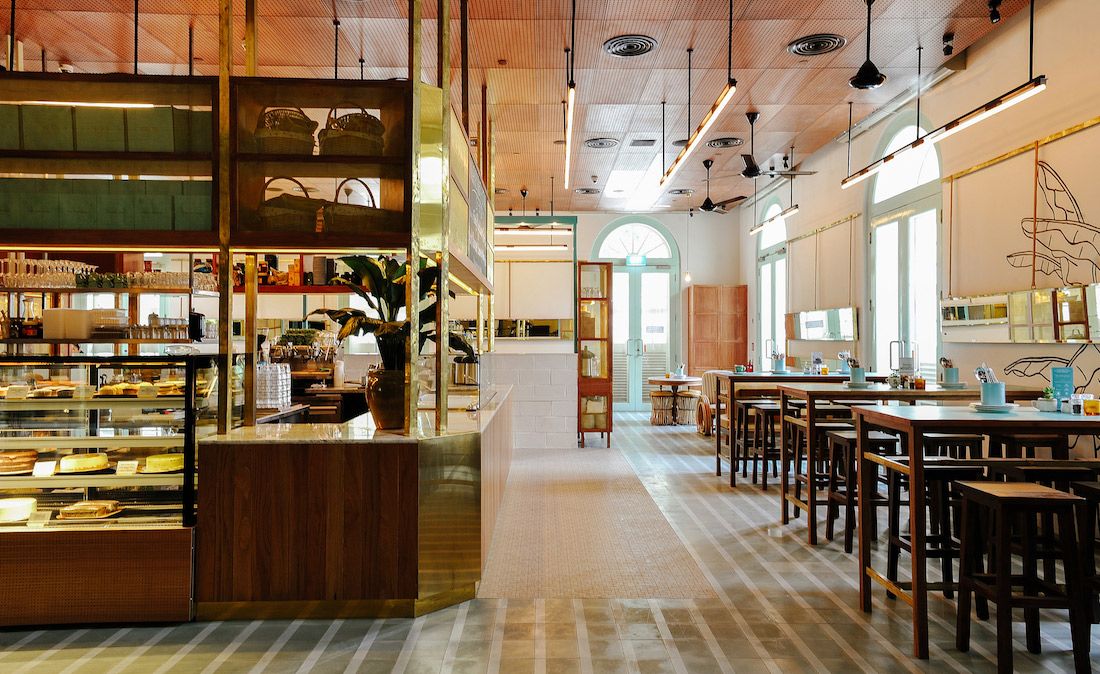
(1059, 135)
(837, 223)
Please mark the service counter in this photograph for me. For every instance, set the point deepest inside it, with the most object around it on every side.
(345, 520)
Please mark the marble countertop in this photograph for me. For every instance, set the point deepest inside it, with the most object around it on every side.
(362, 428)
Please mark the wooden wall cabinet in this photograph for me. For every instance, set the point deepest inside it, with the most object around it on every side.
(717, 327)
(594, 361)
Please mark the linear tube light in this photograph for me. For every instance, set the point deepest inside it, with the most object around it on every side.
(1003, 102)
(570, 102)
(529, 231)
(786, 213)
(85, 104)
(700, 131)
(519, 247)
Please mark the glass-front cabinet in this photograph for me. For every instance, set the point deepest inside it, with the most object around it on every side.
(97, 467)
(594, 363)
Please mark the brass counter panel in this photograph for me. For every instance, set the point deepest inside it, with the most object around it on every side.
(449, 520)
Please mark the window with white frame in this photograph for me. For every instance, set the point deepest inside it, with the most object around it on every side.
(772, 282)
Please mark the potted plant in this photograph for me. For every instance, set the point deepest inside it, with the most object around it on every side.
(381, 282)
(1047, 403)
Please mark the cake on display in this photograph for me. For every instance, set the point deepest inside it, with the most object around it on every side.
(163, 463)
(18, 462)
(16, 509)
(83, 463)
(89, 510)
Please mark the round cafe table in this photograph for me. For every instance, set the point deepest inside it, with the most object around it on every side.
(675, 383)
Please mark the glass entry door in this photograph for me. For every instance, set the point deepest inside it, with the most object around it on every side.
(640, 333)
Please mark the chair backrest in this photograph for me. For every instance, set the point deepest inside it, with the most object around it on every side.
(710, 384)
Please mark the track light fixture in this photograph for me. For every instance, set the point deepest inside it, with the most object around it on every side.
(948, 43)
(994, 11)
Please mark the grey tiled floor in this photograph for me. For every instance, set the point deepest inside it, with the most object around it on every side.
(782, 607)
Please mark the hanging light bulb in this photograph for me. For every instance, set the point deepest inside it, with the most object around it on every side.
(687, 274)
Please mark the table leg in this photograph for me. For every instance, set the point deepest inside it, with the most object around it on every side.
(917, 538)
(811, 472)
(865, 474)
(718, 429)
(784, 459)
(674, 388)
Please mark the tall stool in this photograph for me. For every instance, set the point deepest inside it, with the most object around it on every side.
(763, 449)
(942, 542)
(1006, 502)
(1024, 446)
(953, 445)
(1090, 491)
(743, 430)
(843, 489)
(806, 450)
(662, 402)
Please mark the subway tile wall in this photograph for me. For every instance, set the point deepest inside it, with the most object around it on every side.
(544, 394)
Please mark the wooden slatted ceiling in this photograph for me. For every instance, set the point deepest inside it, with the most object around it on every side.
(802, 101)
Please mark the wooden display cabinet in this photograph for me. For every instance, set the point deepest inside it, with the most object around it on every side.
(594, 358)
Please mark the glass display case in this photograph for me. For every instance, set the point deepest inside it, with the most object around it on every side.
(97, 467)
(594, 361)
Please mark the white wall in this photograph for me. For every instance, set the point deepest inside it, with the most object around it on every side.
(990, 207)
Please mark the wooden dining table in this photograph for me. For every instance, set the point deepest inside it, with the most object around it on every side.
(756, 384)
(913, 423)
(815, 392)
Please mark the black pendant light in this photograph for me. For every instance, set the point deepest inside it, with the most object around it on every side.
(707, 205)
(868, 76)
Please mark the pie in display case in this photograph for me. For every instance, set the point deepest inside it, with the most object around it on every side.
(97, 470)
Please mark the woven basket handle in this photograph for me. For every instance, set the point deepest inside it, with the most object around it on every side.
(280, 107)
(348, 106)
(305, 193)
(345, 181)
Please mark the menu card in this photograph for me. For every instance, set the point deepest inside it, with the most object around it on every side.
(1061, 380)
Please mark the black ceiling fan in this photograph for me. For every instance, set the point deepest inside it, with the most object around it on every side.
(711, 206)
(752, 169)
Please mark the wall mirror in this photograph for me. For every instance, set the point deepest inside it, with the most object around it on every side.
(1066, 315)
(823, 325)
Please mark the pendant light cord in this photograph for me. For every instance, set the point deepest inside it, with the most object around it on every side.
(573, 45)
(690, 50)
(1031, 44)
(869, 3)
(849, 137)
(729, 51)
(335, 48)
(664, 141)
(11, 40)
(920, 50)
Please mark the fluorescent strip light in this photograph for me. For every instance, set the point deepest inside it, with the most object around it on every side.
(85, 104)
(530, 231)
(531, 248)
(570, 102)
(1017, 95)
(704, 126)
(786, 213)
(1003, 102)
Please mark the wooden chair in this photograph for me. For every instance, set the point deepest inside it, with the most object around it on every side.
(843, 489)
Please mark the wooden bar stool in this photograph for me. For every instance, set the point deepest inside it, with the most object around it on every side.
(843, 489)
(662, 402)
(942, 542)
(1024, 446)
(1006, 503)
(1090, 491)
(805, 450)
(956, 446)
(743, 429)
(764, 448)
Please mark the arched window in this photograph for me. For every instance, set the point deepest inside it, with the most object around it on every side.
(774, 232)
(905, 201)
(910, 170)
(771, 274)
(635, 241)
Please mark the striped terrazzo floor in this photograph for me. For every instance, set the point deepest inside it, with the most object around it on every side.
(780, 606)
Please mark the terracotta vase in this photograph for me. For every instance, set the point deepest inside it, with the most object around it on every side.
(386, 398)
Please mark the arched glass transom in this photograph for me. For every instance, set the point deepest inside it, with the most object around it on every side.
(910, 170)
(635, 240)
(774, 232)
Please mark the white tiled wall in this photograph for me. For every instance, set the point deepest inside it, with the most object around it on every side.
(544, 394)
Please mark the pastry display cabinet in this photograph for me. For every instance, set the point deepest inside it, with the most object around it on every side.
(97, 474)
(594, 362)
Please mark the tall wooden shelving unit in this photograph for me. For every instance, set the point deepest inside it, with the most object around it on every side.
(594, 358)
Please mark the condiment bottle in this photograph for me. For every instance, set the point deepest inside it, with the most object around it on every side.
(919, 383)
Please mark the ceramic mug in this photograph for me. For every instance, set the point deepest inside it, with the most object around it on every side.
(858, 375)
(738, 368)
(951, 375)
(779, 365)
(993, 393)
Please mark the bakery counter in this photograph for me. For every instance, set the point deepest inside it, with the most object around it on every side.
(346, 520)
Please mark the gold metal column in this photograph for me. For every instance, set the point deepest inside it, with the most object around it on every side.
(442, 309)
(412, 287)
(224, 184)
(250, 295)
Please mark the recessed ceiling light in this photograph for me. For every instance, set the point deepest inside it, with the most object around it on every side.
(624, 46)
(725, 141)
(501, 190)
(587, 190)
(600, 143)
(816, 44)
(682, 191)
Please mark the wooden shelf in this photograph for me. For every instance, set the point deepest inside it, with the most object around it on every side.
(119, 291)
(317, 166)
(94, 340)
(299, 290)
(104, 481)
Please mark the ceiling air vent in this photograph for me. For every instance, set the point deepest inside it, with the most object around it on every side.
(587, 190)
(681, 191)
(624, 46)
(816, 45)
(600, 143)
(727, 141)
(501, 190)
(643, 142)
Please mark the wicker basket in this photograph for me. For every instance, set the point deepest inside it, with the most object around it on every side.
(289, 212)
(355, 133)
(284, 131)
(353, 217)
